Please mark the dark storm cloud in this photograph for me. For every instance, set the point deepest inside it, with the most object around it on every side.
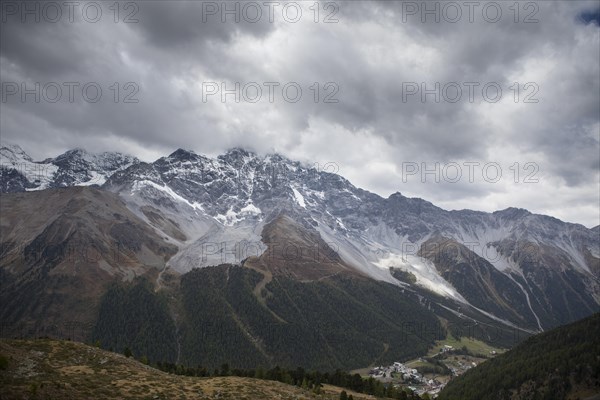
(590, 16)
(26, 45)
(186, 22)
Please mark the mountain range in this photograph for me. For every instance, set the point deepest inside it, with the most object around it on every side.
(305, 265)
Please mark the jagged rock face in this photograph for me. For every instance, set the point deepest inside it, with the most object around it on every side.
(77, 167)
(12, 181)
(532, 270)
(478, 280)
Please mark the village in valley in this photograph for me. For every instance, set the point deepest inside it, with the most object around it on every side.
(429, 374)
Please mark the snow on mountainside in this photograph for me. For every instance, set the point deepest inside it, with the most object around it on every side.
(77, 167)
(222, 205)
(537, 270)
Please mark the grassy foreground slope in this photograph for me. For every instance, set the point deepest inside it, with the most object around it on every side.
(563, 363)
(52, 369)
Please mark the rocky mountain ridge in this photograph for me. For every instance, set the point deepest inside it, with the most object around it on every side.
(533, 271)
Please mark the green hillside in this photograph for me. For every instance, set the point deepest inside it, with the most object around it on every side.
(333, 323)
(339, 322)
(134, 316)
(560, 364)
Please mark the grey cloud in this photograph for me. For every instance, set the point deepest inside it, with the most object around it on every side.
(185, 22)
(41, 49)
(369, 54)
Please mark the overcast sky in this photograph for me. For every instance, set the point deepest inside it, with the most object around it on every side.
(472, 90)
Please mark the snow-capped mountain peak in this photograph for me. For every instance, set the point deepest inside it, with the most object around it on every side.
(227, 202)
(13, 153)
(74, 167)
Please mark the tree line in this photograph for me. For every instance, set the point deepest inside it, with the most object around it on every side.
(308, 380)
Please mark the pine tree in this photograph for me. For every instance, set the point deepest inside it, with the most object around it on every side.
(260, 373)
(225, 369)
(304, 383)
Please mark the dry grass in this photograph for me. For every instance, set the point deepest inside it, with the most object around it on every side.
(51, 369)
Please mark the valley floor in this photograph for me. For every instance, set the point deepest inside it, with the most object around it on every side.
(449, 358)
